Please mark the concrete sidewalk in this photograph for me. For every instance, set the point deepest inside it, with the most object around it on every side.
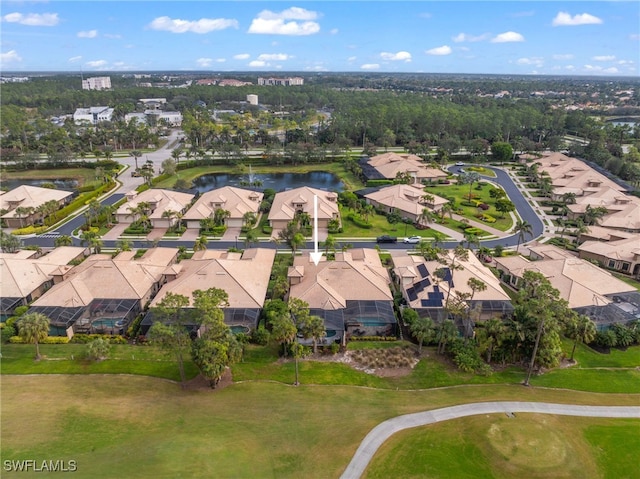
(379, 434)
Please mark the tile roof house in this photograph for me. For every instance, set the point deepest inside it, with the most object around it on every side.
(25, 276)
(570, 175)
(29, 197)
(236, 201)
(244, 277)
(104, 294)
(388, 165)
(584, 285)
(410, 200)
(425, 286)
(623, 211)
(621, 254)
(351, 293)
(287, 204)
(159, 201)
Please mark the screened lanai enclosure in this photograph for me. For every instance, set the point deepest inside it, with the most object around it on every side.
(101, 316)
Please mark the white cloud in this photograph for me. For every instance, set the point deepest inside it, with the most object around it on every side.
(10, 57)
(625, 62)
(204, 25)
(74, 59)
(611, 70)
(292, 21)
(425, 15)
(564, 19)
(96, 63)
(316, 68)
(113, 36)
(258, 63)
(277, 57)
(634, 36)
(221, 60)
(88, 34)
(400, 56)
(33, 19)
(204, 62)
(570, 67)
(334, 31)
(352, 59)
(537, 61)
(603, 58)
(443, 50)
(507, 37)
(562, 56)
(241, 56)
(465, 37)
(370, 66)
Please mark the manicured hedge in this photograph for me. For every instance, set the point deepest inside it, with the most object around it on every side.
(372, 183)
(47, 340)
(359, 222)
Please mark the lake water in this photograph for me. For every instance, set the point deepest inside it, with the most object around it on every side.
(68, 185)
(278, 181)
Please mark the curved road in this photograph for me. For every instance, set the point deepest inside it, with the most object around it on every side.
(525, 210)
(383, 431)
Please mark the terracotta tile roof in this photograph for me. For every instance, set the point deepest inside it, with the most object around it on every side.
(29, 196)
(283, 203)
(237, 201)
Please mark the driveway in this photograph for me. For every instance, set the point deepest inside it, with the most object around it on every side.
(385, 430)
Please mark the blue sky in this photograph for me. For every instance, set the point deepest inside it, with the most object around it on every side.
(497, 37)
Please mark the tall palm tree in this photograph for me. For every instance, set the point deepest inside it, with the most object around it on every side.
(426, 216)
(64, 240)
(136, 154)
(524, 229)
(422, 329)
(329, 244)
(34, 328)
(200, 244)
(582, 330)
(494, 330)
(250, 237)
(23, 212)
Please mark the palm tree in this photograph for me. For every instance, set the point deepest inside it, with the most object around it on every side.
(249, 219)
(582, 330)
(220, 215)
(524, 229)
(494, 330)
(200, 244)
(250, 237)
(426, 216)
(136, 154)
(170, 215)
(568, 198)
(329, 244)
(447, 208)
(592, 216)
(283, 330)
(422, 330)
(445, 333)
(296, 241)
(23, 212)
(64, 240)
(34, 328)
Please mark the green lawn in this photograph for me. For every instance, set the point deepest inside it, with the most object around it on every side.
(139, 427)
(528, 445)
(459, 192)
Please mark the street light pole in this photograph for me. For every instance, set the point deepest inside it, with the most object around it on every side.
(236, 241)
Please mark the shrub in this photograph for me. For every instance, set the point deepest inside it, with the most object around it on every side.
(47, 340)
(473, 231)
(483, 206)
(81, 338)
(30, 230)
(97, 350)
(260, 336)
(7, 333)
(266, 229)
(372, 183)
(358, 221)
(487, 218)
(334, 348)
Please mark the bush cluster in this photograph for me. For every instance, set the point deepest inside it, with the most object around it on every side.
(87, 338)
(358, 221)
(47, 340)
(373, 338)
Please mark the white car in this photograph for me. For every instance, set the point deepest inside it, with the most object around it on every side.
(460, 163)
(413, 239)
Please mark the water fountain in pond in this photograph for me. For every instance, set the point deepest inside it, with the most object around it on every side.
(253, 181)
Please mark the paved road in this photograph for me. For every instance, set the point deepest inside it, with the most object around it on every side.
(385, 430)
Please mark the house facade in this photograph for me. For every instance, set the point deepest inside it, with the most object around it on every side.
(159, 204)
(389, 165)
(621, 255)
(237, 201)
(351, 293)
(287, 204)
(244, 276)
(21, 204)
(409, 200)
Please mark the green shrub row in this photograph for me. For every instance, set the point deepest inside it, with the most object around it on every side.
(47, 340)
(373, 338)
(372, 183)
(266, 229)
(359, 222)
(30, 230)
(81, 201)
(487, 218)
(160, 178)
(81, 338)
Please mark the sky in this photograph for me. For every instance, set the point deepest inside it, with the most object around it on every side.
(495, 37)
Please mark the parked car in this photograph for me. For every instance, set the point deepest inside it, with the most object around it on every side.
(413, 240)
(386, 239)
(460, 163)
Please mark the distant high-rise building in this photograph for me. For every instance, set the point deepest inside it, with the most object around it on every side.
(97, 83)
(252, 99)
(290, 81)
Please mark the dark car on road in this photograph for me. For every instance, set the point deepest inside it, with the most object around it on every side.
(386, 239)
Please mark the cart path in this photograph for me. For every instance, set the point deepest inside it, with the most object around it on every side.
(383, 431)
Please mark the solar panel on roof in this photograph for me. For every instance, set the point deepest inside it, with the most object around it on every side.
(419, 287)
(425, 282)
(411, 293)
(431, 303)
(422, 269)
